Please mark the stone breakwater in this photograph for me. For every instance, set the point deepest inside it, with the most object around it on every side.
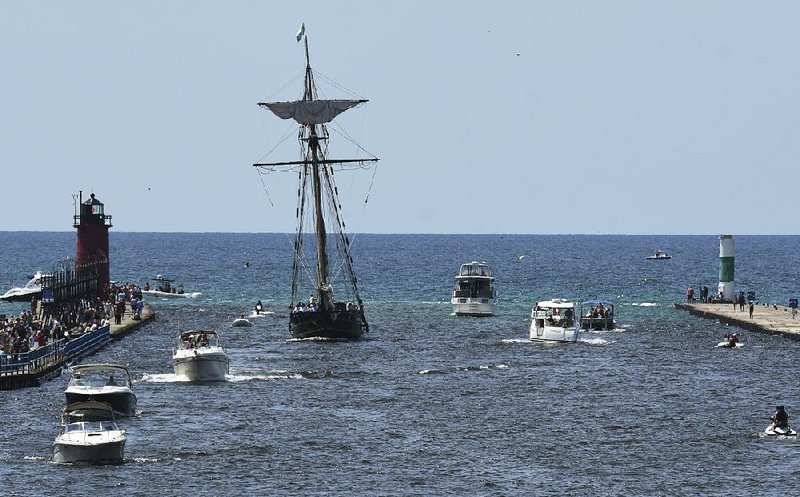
(767, 318)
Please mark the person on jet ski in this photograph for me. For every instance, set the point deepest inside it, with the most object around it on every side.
(734, 339)
(780, 419)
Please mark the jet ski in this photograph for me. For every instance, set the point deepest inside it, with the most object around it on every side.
(773, 431)
(730, 342)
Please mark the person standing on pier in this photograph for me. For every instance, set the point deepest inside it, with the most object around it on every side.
(690, 295)
(751, 309)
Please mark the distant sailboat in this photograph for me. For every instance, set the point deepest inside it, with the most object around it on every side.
(321, 315)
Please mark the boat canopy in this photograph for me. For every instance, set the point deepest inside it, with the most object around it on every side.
(310, 111)
(555, 304)
(604, 303)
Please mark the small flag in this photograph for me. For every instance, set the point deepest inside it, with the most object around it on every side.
(301, 32)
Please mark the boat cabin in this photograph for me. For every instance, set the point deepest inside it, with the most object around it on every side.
(554, 313)
(474, 280)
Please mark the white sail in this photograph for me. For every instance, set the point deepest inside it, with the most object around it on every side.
(310, 111)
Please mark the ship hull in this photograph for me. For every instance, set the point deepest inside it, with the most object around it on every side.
(341, 325)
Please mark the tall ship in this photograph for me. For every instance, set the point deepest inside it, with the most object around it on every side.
(322, 257)
(474, 293)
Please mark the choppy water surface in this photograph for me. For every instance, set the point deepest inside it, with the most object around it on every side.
(430, 403)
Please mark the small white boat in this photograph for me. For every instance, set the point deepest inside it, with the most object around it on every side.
(165, 289)
(109, 383)
(474, 293)
(774, 431)
(89, 435)
(554, 320)
(199, 356)
(241, 322)
(660, 254)
(32, 288)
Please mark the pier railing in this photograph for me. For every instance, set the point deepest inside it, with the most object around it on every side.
(54, 353)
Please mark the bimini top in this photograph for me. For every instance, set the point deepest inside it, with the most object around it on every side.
(604, 303)
(555, 304)
(473, 269)
(80, 368)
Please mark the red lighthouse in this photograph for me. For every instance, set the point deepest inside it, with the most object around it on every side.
(93, 224)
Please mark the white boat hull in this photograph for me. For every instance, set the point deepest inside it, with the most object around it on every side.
(553, 333)
(200, 365)
(169, 295)
(466, 306)
(241, 323)
(107, 450)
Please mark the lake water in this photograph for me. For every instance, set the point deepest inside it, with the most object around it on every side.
(430, 403)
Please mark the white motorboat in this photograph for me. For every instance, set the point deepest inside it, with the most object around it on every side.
(554, 320)
(241, 322)
(773, 431)
(474, 293)
(109, 383)
(32, 288)
(165, 289)
(660, 254)
(89, 435)
(199, 356)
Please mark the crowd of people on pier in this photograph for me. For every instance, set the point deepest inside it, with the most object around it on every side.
(46, 323)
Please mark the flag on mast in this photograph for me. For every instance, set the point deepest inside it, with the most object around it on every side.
(301, 32)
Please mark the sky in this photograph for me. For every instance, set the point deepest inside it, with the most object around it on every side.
(613, 117)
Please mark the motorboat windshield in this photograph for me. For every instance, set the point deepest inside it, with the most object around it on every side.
(198, 338)
(91, 426)
(99, 376)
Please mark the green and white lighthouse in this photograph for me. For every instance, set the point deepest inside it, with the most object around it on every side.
(726, 290)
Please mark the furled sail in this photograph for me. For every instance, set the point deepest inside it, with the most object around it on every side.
(310, 111)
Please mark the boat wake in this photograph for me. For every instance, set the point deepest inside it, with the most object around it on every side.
(277, 375)
(515, 340)
(462, 369)
(645, 304)
(163, 378)
(261, 315)
(595, 341)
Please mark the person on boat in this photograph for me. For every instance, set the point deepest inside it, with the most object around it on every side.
(780, 419)
(111, 381)
(568, 315)
(146, 286)
(259, 307)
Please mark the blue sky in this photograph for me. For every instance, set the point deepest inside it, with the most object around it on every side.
(628, 117)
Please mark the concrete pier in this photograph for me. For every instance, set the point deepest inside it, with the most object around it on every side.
(771, 319)
(129, 324)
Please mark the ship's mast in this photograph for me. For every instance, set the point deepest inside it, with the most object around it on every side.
(319, 219)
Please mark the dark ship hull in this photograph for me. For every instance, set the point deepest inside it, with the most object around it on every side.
(337, 325)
